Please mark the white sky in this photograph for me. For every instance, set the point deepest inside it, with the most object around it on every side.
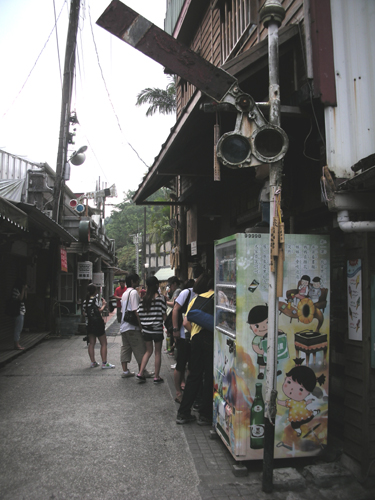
(31, 123)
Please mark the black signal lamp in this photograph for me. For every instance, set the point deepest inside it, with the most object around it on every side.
(233, 149)
(267, 144)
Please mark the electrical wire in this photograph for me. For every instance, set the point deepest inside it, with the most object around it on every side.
(305, 142)
(37, 59)
(96, 158)
(81, 75)
(323, 189)
(57, 42)
(109, 96)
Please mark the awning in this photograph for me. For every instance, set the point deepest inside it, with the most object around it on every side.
(43, 222)
(164, 273)
(13, 215)
(116, 270)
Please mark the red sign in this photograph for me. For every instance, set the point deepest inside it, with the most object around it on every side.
(64, 260)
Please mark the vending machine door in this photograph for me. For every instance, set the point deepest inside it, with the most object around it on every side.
(241, 342)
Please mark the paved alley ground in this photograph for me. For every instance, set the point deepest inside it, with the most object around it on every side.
(71, 432)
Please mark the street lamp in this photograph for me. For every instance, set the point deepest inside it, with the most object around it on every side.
(77, 158)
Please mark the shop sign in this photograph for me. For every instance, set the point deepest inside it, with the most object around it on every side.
(64, 259)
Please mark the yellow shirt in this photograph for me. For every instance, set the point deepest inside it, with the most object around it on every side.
(297, 410)
(194, 327)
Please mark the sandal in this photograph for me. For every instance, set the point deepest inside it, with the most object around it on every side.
(158, 380)
(178, 400)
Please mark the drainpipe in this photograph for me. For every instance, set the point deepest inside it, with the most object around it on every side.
(272, 15)
(348, 226)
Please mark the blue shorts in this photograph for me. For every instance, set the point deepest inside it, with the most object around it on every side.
(156, 337)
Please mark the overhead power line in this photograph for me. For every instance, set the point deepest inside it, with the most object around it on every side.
(57, 41)
(37, 59)
(109, 96)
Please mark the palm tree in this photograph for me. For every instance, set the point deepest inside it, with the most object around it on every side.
(161, 100)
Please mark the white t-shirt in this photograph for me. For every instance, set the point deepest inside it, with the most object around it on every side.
(181, 300)
(133, 304)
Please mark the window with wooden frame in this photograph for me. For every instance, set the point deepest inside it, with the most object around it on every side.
(66, 289)
(238, 20)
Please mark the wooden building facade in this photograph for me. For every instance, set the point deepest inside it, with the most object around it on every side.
(318, 183)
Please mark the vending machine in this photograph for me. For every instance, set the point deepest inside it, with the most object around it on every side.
(240, 345)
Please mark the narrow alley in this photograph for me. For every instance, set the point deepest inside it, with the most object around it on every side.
(71, 432)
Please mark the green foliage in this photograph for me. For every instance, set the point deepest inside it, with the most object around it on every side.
(160, 230)
(160, 100)
(126, 258)
(127, 219)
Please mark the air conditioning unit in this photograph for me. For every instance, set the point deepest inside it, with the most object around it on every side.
(48, 212)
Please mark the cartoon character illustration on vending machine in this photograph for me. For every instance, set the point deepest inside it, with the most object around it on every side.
(315, 289)
(299, 383)
(303, 289)
(258, 321)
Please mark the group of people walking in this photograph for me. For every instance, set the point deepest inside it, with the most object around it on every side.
(142, 324)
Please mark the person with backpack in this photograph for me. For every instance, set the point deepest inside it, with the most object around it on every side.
(96, 326)
(202, 358)
(181, 335)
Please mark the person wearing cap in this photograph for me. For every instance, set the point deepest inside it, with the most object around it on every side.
(120, 290)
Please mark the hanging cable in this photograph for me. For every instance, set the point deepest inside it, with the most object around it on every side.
(57, 43)
(109, 96)
(80, 66)
(323, 188)
(37, 59)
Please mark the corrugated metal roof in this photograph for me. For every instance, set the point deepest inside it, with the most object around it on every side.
(350, 127)
(42, 220)
(12, 214)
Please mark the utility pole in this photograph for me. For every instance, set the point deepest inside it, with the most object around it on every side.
(144, 246)
(69, 67)
(136, 243)
(272, 15)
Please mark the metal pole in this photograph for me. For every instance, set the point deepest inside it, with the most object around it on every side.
(144, 246)
(136, 240)
(69, 65)
(272, 15)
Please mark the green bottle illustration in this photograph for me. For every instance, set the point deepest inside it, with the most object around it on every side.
(257, 420)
